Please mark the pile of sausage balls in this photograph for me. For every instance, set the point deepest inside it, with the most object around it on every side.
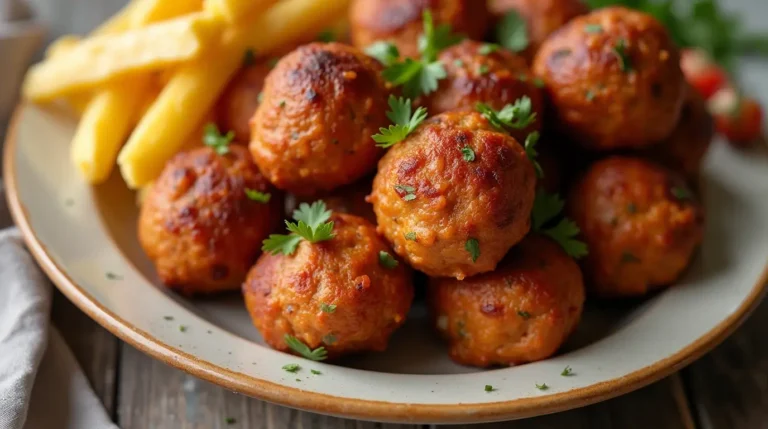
(622, 140)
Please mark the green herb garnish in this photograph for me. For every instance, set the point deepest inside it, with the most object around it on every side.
(468, 154)
(620, 51)
(512, 32)
(518, 115)
(385, 52)
(214, 139)
(404, 122)
(313, 226)
(489, 388)
(542, 386)
(473, 247)
(546, 209)
(328, 308)
(296, 345)
(408, 192)
(387, 261)
(567, 372)
(291, 367)
(259, 197)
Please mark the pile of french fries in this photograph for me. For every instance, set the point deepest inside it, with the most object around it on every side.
(146, 80)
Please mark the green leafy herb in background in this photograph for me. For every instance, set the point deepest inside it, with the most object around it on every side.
(546, 209)
(404, 122)
(312, 226)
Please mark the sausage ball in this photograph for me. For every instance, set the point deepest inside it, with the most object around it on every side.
(522, 312)
(400, 21)
(339, 294)
(685, 149)
(454, 196)
(240, 99)
(350, 199)
(495, 78)
(640, 222)
(542, 17)
(321, 105)
(198, 224)
(613, 78)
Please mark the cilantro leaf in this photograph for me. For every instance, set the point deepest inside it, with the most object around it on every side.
(488, 48)
(313, 215)
(328, 308)
(489, 388)
(473, 247)
(546, 208)
(564, 233)
(530, 150)
(296, 345)
(518, 115)
(620, 51)
(214, 139)
(326, 36)
(385, 52)
(291, 367)
(542, 386)
(281, 243)
(404, 122)
(259, 197)
(512, 32)
(312, 226)
(567, 372)
(434, 40)
(468, 154)
(387, 261)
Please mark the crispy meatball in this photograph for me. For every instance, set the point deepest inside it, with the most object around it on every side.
(240, 99)
(613, 78)
(447, 214)
(321, 105)
(400, 21)
(497, 78)
(522, 312)
(640, 222)
(542, 17)
(350, 199)
(336, 294)
(685, 149)
(198, 225)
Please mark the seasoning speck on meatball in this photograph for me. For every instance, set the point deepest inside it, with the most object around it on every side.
(521, 312)
(449, 214)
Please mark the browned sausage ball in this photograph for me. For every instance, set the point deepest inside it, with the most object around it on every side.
(198, 225)
(613, 78)
(321, 105)
(350, 199)
(497, 78)
(240, 99)
(522, 312)
(335, 294)
(640, 222)
(542, 17)
(685, 149)
(446, 215)
(400, 21)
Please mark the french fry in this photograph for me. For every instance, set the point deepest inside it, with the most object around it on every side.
(103, 127)
(194, 89)
(148, 11)
(103, 58)
(236, 10)
(62, 45)
(119, 22)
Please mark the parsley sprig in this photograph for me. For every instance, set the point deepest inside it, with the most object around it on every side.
(546, 209)
(312, 225)
(296, 345)
(219, 142)
(518, 115)
(404, 122)
(512, 32)
(420, 76)
(386, 52)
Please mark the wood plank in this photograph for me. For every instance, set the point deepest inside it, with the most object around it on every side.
(93, 346)
(153, 395)
(729, 387)
(659, 406)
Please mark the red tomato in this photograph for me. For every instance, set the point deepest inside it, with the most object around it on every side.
(739, 119)
(702, 73)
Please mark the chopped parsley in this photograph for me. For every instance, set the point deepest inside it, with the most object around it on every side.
(620, 51)
(326, 36)
(628, 257)
(411, 236)
(230, 420)
(468, 154)
(473, 247)
(407, 192)
(314, 371)
(387, 261)
(259, 197)
(282, 104)
(542, 386)
(296, 345)
(458, 63)
(593, 28)
(291, 367)
(169, 318)
(214, 139)
(546, 209)
(567, 372)
(260, 97)
(182, 328)
(249, 57)
(681, 193)
(113, 276)
(328, 308)
(313, 226)
(512, 32)
(518, 115)
(404, 122)
(590, 95)
(482, 69)
(489, 388)
(530, 151)
(488, 48)
(524, 314)
(385, 52)
(329, 339)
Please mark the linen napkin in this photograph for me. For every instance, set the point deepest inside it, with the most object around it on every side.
(41, 383)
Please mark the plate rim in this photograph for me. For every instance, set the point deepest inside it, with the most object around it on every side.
(349, 407)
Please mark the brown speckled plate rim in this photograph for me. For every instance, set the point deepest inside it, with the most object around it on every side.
(345, 407)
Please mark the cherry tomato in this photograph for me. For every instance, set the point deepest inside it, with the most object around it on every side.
(739, 119)
(702, 73)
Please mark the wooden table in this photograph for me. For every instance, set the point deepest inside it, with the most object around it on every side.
(727, 389)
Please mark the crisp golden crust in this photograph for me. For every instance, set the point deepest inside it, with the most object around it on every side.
(321, 105)
(400, 21)
(685, 149)
(239, 101)
(521, 312)
(613, 78)
(497, 79)
(285, 294)
(453, 200)
(543, 17)
(197, 224)
(640, 222)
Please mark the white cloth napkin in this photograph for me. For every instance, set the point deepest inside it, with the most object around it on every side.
(41, 384)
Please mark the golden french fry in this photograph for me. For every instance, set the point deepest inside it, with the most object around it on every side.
(103, 58)
(236, 10)
(147, 11)
(102, 130)
(119, 22)
(194, 89)
(62, 45)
